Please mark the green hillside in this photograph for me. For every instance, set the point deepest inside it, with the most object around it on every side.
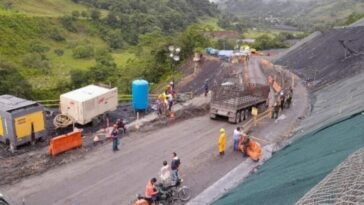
(305, 14)
(51, 46)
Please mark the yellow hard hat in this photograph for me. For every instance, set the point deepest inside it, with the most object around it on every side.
(222, 130)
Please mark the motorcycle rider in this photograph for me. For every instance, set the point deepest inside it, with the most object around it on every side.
(151, 192)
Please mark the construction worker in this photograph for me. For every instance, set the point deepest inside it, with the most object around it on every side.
(252, 149)
(164, 102)
(243, 143)
(222, 142)
(236, 138)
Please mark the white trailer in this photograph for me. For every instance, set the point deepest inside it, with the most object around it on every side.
(87, 103)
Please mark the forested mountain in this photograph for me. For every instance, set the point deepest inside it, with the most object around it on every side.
(305, 14)
(51, 46)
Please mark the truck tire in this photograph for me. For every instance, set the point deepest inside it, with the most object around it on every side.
(238, 117)
(244, 114)
(212, 116)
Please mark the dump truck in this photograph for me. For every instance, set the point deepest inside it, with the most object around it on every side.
(236, 101)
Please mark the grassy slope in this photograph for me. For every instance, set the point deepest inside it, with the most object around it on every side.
(31, 20)
(317, 12)
(331, 11)
(53, 8)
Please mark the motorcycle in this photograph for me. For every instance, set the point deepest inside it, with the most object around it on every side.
(171, 195)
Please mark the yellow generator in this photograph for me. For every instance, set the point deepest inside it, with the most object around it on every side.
(21, 121)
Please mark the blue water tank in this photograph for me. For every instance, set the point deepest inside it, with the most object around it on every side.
(140, 90)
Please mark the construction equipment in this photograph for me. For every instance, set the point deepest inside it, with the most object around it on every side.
(21, 121)
(87, 103)
(235, 102)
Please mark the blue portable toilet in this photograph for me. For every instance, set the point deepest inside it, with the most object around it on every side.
(140, 91)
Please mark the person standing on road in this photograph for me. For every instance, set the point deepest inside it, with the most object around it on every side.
(176, 162)
(165, 174)
(236, 138)
(222, 142)
(114, 137)
(275, 111)
(170, 101)
(206, 88)
(121, 125)
(282, 100)
(289, 97)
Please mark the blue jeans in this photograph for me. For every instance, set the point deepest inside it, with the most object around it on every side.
(115, 143)
(174, 177)
(236, 144)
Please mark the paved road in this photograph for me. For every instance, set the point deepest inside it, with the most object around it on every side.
(104, 177)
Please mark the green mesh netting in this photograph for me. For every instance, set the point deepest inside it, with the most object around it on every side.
(292, 172)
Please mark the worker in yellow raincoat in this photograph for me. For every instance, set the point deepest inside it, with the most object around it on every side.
(222, 142)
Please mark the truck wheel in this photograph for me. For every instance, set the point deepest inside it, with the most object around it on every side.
(212, 116)
(244, 114)
(238, 117)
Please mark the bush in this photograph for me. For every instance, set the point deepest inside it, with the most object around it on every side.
(83, 51)
(75, 14)
(37, 61)
(68, 23)
(59, 52)
(84, 14)
(37, 46)
(55, 35)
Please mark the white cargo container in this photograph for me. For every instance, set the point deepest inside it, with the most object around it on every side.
(88, 102)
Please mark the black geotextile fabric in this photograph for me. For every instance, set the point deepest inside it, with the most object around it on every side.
(329, 57)
(293, 171)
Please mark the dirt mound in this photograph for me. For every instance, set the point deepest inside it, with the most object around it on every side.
(211, 69)
(330, 57)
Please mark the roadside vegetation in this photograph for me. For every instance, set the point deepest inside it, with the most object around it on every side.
(49, 47)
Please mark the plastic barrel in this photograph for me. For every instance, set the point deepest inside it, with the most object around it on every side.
(140, 89)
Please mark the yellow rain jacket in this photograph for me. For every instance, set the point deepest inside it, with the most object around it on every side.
(222, 141)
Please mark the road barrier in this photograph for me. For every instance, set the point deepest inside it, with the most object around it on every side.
(65, 142)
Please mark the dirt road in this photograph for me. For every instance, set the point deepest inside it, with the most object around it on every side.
(256, 75)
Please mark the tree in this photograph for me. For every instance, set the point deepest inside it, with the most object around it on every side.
(112, 20)
(95, 15)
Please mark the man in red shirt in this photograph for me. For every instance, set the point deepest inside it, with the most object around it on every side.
(151, 192)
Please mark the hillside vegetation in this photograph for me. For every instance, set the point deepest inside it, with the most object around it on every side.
(52, 46)
(308, 15)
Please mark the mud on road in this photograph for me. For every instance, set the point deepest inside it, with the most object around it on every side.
(34, 159)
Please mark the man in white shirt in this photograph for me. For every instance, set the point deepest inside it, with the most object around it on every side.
(236, 137)
(165, 174)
